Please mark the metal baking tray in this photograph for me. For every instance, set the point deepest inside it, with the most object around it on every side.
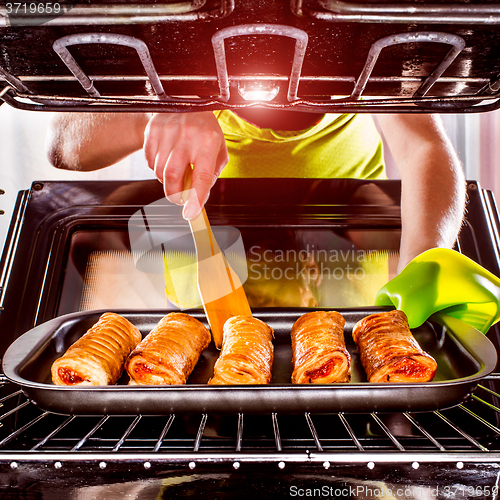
(463, 354)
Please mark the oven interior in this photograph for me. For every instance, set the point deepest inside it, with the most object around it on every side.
(180, 453)
(68, 241)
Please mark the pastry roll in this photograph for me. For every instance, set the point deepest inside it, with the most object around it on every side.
(319, 353)
(388, 350)
(169, 353)
(98, 357)
(247, 352)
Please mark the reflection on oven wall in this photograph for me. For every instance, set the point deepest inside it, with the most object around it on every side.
(23, 159)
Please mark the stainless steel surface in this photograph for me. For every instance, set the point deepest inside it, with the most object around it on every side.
(12, 80)
(10, 248)
(464, 356)
(456, 42)
(466, 432)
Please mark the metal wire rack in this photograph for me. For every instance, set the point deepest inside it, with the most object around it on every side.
(467, 432)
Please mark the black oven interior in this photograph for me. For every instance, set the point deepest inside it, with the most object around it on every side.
(69, 245)
(64, 228)
(87, 233)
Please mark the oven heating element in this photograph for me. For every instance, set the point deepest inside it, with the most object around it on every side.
(21, 90)
(100, 103)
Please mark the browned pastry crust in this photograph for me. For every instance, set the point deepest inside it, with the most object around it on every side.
(319, 353)
(169, 353)
(97, 358)
(247, 353)
(388, 350)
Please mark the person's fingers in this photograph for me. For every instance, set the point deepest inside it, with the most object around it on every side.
(172, 143)
(158, 145)
(150, 151)
(174, 173)
(192, 207)
(208, 165)
(159, 164)
(204, 177)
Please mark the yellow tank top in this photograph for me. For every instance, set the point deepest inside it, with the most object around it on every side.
(339, 146)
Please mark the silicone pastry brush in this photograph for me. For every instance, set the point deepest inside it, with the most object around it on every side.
(220, 288)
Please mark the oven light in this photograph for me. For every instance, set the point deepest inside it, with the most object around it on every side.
(258, 91)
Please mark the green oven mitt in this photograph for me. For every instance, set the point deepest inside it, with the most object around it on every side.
(444, 280)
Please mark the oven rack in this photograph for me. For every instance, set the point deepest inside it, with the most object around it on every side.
(468, 432)
(21, 91)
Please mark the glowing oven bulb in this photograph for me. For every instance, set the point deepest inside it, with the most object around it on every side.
(258, 91)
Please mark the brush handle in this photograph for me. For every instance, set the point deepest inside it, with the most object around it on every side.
(220, 288)
(205, 242)
(215, 274)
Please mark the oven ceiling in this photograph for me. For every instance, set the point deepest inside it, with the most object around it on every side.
(324, 55)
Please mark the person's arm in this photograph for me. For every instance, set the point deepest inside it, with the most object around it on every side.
(91, 141)
(433, 193)
(172, 142)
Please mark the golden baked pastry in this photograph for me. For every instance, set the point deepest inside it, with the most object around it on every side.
(169, 353)
(97, 358)
(247, 353)
(388, 350)
(319, 353)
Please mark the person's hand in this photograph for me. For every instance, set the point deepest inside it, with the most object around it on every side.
(175, 141)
